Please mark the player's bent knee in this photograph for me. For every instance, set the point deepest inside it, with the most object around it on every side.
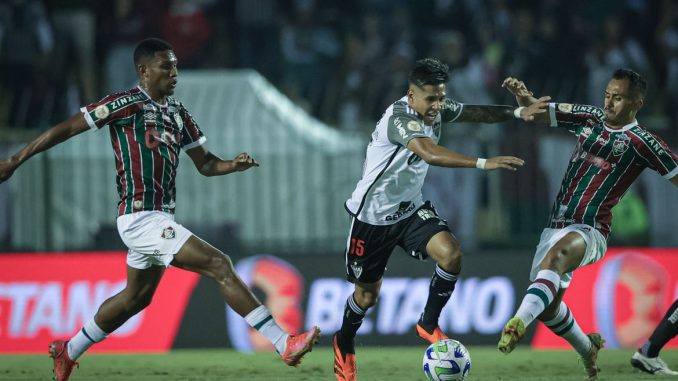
(366, 299)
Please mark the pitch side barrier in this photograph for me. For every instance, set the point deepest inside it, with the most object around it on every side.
(47, 296)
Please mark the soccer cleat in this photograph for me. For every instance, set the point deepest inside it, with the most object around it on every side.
(63, 365)
(299, 345)
(653, 365)
(513, 331)
(344, 363)
(597, 343)
(432, 337)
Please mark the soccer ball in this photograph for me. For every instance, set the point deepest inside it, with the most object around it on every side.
(447, 360)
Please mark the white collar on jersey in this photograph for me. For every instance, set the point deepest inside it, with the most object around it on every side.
(625, 128)
(149, 97)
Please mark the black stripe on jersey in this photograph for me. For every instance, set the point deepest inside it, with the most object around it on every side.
(362, 203)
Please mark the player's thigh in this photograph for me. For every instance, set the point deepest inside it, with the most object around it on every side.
(142, 283)
(368, 249)
(427, 235)
(567, 249)
(199, 256)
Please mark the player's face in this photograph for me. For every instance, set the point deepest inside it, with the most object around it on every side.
(427, 100)
(159, 74)
(620, 106)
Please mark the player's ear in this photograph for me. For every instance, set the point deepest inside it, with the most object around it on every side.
(410, 94)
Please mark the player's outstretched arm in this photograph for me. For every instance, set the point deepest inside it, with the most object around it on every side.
(63, 131)
(440, 156)
(525, 97)
(209, 164)
(495, 114)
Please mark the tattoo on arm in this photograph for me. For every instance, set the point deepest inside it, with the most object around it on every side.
(485, 114)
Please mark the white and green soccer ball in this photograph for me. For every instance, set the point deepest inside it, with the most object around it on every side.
(447, 360)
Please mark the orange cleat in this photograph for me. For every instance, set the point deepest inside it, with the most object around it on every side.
(299, 345)
(344, 363)
(63, 365)
(431, 337)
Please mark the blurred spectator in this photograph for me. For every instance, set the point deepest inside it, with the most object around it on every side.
(257, 24)
(26, 40)
(123, 25)
(186, 27)
(75, 29)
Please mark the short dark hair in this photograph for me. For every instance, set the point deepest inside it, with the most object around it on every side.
(429, 71)
(148, 47)
(637, 84)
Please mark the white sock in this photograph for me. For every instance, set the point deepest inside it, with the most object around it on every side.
(539, 295)
(565, 326)
(85, 338)
(261, 319)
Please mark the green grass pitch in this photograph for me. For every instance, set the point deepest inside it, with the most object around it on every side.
(374, 364)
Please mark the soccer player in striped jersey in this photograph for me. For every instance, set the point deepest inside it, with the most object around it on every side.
(387, 208)
(148, 128)
(612, 150)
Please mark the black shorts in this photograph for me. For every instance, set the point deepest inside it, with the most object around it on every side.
(370, 246)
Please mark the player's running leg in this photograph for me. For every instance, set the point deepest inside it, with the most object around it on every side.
(564, 256)
(114, 312)
(560, 320)
(445, 250)
(198, 256)
(343, 342)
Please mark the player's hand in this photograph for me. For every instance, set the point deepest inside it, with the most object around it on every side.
(516, 87)
(7, 168)
(504, 162)
(244, 161)
(539, 107)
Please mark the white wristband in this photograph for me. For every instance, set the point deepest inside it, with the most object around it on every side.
(480, 163)
(516, 112)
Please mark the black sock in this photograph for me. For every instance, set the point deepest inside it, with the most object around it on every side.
(665, 331)
(353, 318)
(439, 292)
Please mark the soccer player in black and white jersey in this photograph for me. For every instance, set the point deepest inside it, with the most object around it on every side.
(646, 358)
(612, 150)
(148, 129)
(387, 208)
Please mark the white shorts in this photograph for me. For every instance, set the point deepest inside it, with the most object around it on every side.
(596, 245)
(153, 238)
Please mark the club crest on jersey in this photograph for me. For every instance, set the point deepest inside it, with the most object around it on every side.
(413, 125)
(101, 112)
(168, 233)
(357, 270)
(587, 131)
(620, 145)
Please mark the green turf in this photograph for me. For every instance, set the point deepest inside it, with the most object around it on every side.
(374, 364)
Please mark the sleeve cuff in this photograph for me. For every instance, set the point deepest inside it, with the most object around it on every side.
(552, 115)
(89, 119)
(196, 143)
(671, 174)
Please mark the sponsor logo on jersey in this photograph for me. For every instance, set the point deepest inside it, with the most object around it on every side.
(101, 112)
(404, 208)
(168, 233)
(399, 126)
(123, 101)
(426, 214)
(413, 125)
(651, 141)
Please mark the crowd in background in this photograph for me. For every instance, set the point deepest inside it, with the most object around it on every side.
(343, 61)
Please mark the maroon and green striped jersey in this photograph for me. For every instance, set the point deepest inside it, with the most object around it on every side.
(603, 166)
(146, 138)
